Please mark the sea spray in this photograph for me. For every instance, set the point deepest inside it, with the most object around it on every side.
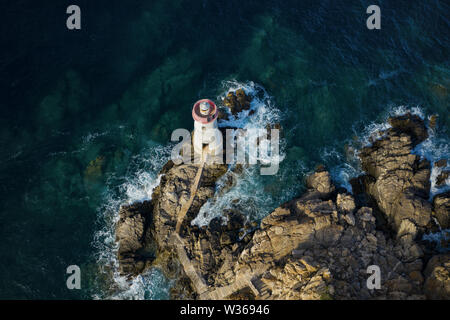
(249, 193)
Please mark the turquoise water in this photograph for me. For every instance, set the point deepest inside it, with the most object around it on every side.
(86, 116)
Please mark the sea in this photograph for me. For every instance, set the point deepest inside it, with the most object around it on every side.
(86, 115)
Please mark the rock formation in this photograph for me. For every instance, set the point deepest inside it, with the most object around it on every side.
(132, 233)
(237, 101)
(398, 180)
(317, 246)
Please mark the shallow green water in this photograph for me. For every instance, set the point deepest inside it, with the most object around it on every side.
(86, 115)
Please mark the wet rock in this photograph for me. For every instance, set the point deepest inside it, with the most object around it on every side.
(433, 121)
(442, 177)
(441, 163)
(237, 101)
(410, 124)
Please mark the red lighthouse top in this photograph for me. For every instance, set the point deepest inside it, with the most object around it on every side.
(205, 111)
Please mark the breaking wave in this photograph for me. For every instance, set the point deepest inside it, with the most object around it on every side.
(346, 165)
(249, 194)
(136, 186)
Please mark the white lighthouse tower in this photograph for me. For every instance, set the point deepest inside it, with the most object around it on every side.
(207, 138)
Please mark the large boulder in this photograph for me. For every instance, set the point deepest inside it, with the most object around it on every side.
(441, 205)
(320, 181)
(410, 124)
(398, 180)
(174, 191)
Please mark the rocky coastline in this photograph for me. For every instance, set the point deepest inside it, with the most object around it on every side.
(316, 246)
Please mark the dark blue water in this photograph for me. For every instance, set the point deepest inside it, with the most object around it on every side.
(86, 116)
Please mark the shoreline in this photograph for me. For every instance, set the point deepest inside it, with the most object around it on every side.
(283, 256)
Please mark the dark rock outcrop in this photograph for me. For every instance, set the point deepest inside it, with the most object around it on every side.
(135, 245)
(320, 181)
(442, 177)
(237, 101)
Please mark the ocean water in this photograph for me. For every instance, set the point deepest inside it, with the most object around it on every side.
(86, 116)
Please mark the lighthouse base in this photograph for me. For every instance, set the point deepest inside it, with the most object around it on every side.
(208, 146)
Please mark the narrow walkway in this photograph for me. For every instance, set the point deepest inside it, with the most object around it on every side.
(249, 279)
(245, 280)
(197, 280)
(223, 292)
(185, 208)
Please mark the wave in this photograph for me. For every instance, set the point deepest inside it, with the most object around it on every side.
(136, 186)
(346, 165)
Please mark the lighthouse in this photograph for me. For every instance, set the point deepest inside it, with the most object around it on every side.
(207, 138)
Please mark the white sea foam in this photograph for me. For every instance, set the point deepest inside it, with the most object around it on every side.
(347, 166)
(434, 148)
(247, 195)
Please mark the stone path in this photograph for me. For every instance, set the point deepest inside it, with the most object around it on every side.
(185, 208)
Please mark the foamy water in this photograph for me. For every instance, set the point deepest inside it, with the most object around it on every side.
(247, 195)
(143, 178)
(137, 186)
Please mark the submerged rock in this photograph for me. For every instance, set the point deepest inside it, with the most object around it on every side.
(134, 252)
